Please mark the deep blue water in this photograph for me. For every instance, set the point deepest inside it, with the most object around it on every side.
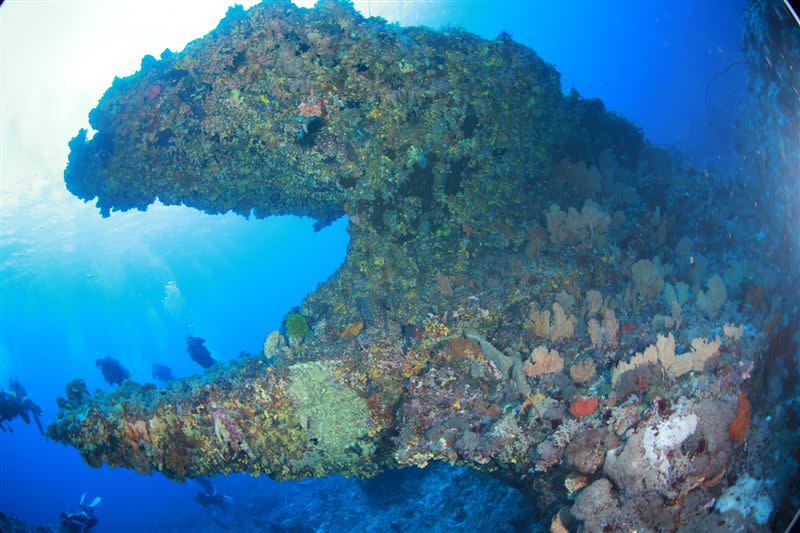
(76, 287)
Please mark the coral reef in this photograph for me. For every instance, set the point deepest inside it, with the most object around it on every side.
(296, 327)
(543, 361)
(560, 326)
(663, 352)
(648, 277)
(446, 153)
(711, 300)
(586, 227)
(11, 524)
(441, 498)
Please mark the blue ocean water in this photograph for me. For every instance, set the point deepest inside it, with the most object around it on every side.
(75, 287)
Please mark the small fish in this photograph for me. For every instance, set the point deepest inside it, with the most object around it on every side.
(198, 352)
(113, 371)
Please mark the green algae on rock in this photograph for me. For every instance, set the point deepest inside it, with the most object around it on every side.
(337, 418)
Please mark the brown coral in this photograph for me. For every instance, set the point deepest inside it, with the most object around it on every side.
(537, 240)
(583, 179)
(594, 303)
(353, 330)
(460, 348)
(663, 352)
(313, 107)
(711, 300)
(605, 334)
(583, 372)
(587, 227)
(555, 326)
(443, 285)
(648, 277)
(543, 361)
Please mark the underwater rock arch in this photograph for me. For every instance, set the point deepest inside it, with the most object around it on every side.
(448, 153)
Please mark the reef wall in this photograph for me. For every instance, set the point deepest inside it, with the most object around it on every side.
(771, 123)
(530, 288)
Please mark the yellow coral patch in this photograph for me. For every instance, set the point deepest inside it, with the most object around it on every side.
(353, 330)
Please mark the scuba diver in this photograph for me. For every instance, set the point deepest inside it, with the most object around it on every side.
(162, 373)
(113, 371)
(210, 498)
(15, 402)
(198, 352)
(82, 520)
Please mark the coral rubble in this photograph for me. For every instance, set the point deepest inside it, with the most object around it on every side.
(623, 408)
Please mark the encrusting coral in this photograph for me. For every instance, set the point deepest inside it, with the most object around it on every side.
(442, 149)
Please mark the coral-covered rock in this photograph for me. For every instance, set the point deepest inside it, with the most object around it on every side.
(598, 508)
(748, 497)
(587, 450)
(673, 455)
(439, 147)
(595, 500)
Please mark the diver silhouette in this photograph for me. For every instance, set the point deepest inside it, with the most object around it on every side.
(213, 500)
(81, 520)
(14, 403)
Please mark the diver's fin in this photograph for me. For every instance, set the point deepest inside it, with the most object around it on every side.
(83, 498)
(38, 422)
(97, 499)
